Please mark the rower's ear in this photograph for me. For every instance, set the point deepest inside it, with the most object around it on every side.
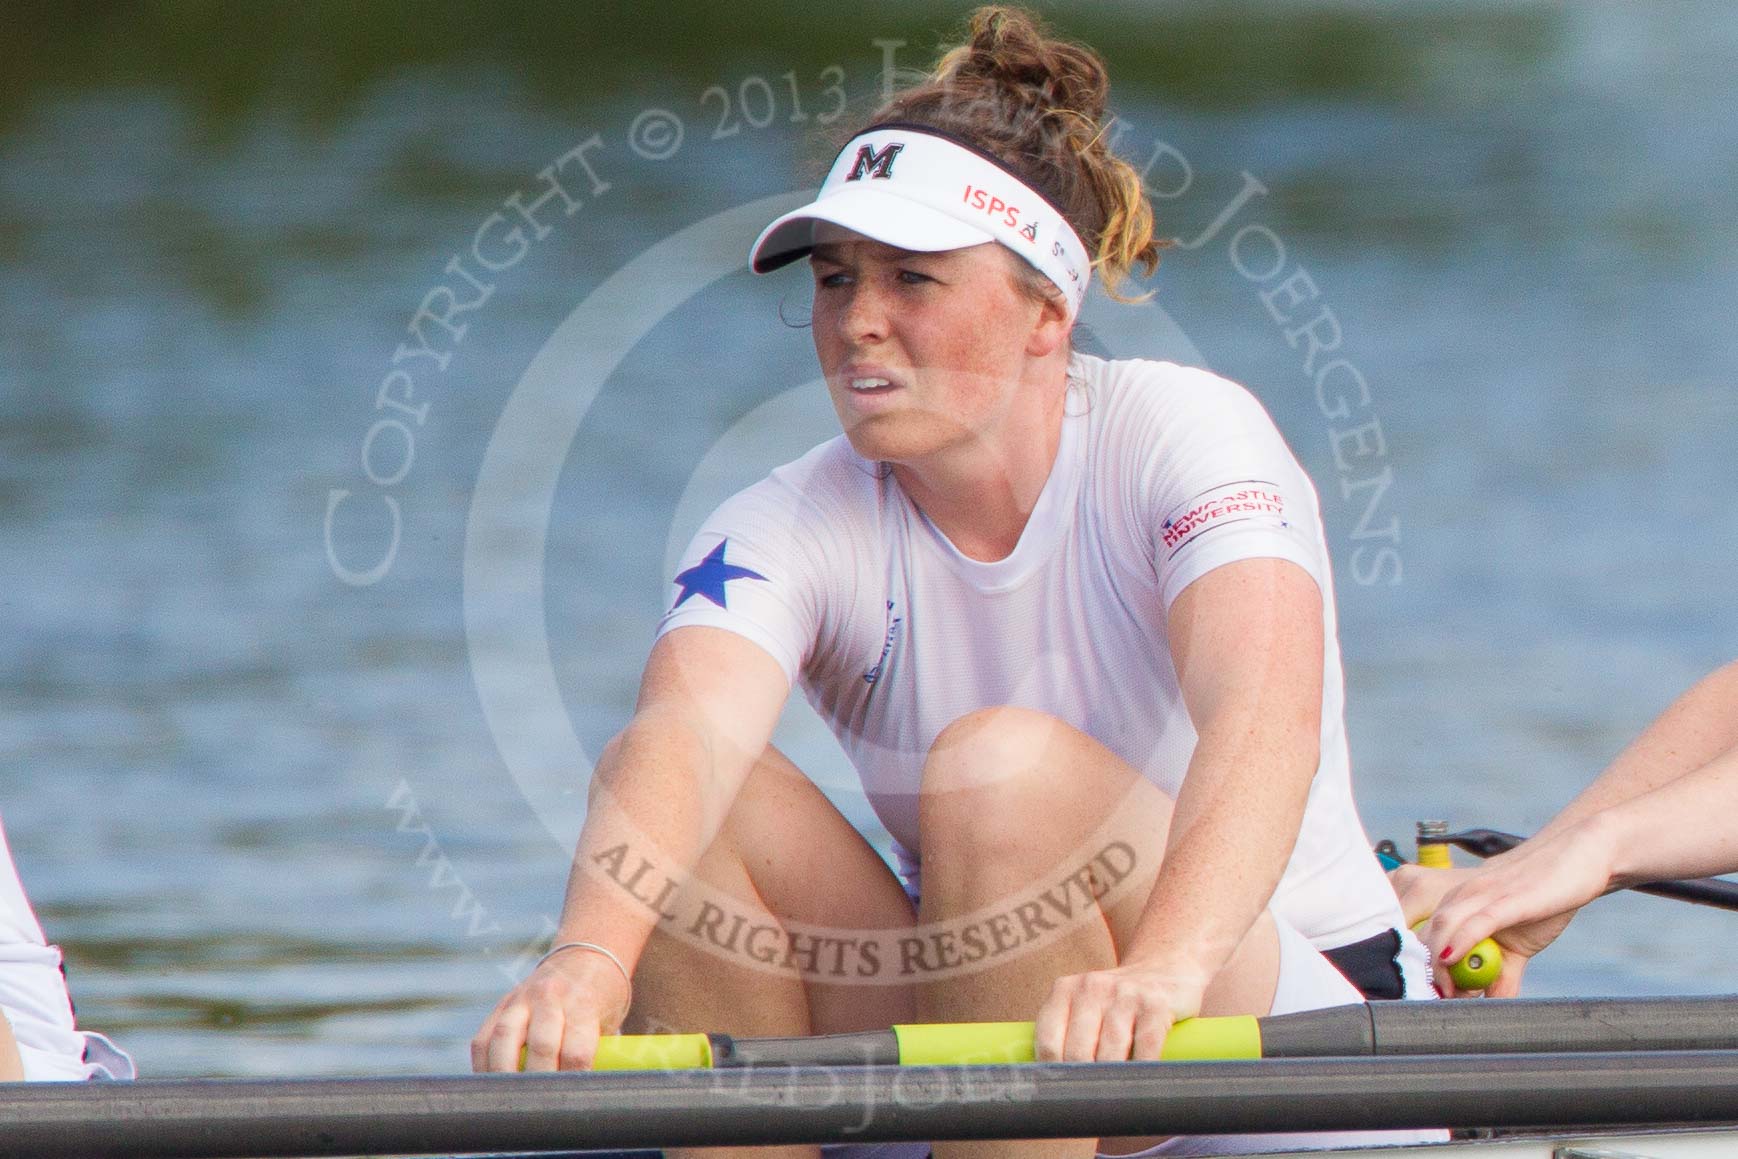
(1050, 329)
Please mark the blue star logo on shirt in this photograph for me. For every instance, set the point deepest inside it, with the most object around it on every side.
(708, 577)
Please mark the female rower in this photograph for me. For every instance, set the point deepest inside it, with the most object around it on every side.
(1072, 620)
(1660, 810)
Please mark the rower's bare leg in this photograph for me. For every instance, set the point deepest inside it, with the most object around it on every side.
(11, 1065)
(1023, 819)
(784, 858)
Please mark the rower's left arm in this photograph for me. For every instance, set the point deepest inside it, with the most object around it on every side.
(1247, 644)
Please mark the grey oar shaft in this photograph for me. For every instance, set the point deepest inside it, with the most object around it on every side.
(760, 1106)
(864, 1048)
(1526, 1025)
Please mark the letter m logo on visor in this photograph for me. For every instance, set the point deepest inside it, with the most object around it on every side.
(873, 163)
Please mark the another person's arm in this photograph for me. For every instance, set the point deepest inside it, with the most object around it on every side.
(11, 1066)
(1662, 809)
(708, 703)
(1246, 639)
(1698, 727)
(1683, 828)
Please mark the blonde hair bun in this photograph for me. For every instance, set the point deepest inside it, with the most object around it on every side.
(1037, 104)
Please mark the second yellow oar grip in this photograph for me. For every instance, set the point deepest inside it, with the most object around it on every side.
(943, 1044)
(1198, 1039)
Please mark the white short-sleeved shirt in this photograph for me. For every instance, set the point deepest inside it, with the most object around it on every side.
(1163, 473)
(33, 997)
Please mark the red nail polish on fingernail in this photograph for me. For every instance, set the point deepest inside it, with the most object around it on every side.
(1448, 953)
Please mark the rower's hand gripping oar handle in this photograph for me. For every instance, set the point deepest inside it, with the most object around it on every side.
(1479, 966)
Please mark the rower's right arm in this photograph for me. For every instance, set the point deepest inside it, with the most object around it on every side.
(708, 703)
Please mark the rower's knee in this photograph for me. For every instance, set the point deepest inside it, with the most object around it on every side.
(987, 778)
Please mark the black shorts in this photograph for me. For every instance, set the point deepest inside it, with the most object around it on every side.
(1372, 965)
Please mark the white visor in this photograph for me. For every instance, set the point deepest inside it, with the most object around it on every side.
(910, 187)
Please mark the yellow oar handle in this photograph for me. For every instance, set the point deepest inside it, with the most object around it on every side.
(649, 1052)
(1210, 1039)
(940, 1044)
(1001, 1042)
(653, 1052)
(950, 1044)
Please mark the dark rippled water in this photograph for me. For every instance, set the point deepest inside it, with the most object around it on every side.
(287, 825)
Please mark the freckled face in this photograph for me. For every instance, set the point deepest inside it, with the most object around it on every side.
(922, 352)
